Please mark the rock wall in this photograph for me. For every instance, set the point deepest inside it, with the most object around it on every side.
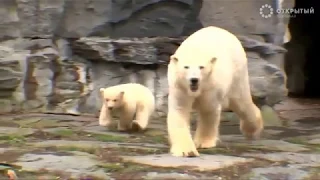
(55, 55)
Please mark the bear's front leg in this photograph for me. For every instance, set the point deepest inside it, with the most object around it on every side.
(178, 119)
(104, 117)
(207, 132)
(179, 134)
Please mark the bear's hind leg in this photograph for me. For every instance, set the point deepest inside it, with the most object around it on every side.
(207, 132)
(125, 121)
(251, 122)
(142, 118)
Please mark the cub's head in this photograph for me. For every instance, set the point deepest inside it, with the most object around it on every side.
(112, 98)
(193, 73)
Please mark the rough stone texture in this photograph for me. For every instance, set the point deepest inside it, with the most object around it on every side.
(159, 176)
(95, 144)
(65, 77)
(278, 173)
(306, 159)
(63, 50)
(139, 18)
(68, 163)
(36, 141)
(204, 163)
(7, 131)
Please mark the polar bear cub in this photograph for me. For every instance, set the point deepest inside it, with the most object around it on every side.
(129, 101)
(207, 71)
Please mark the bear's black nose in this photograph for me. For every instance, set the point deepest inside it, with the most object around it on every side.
(194, 80)
(110, 108)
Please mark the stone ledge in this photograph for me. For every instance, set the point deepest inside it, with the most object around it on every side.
(146, 51)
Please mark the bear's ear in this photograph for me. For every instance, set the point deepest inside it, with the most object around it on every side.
(101, 92)
(213, 60)
(173, 59)
(121, 93)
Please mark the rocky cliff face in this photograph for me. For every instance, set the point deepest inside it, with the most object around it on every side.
(55, 55)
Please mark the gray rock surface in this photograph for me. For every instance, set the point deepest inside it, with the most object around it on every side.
(85, 151)
(278, 173)
(279, 145)
(306, 159)
(159, 176)
(42, 76)
(94, 144)
(68, 163)
(127, 18)
(203, 163)
(16, 131)
(63, 51)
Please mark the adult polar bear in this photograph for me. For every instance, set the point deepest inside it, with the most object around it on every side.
(209, 70)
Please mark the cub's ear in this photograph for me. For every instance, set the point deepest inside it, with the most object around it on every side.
(101, 90)
(121, 93)
(213, 60)
(173, 59)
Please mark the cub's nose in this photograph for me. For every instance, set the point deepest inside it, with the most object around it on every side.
(110, 108)
(194, 80)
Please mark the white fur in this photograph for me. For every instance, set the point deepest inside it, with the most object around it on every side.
(136, 100)
(223, 81)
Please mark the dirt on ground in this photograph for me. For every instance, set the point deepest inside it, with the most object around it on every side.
(50, 146)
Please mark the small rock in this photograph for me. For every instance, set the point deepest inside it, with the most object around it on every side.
(103, 131)
(63, 163)
(277, 173)
(32, 104)
(266, 144)
(3, 150)
(232, 138)
(278, 145)
(160, 176)
(202, 163)
(66, 143)
(314, 141)
(16, 131)
(293, 158)
(6, 105)
(272, 132)
(94, 144)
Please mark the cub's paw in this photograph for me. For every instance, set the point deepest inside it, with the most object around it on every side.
(251, 131)
(205, 143)
(123, 128)
(135, 127)
(105, 123)
(184, 151)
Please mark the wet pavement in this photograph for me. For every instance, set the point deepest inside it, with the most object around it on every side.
(48, 146)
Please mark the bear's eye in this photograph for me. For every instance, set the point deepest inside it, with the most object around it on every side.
(201, 67)
(107, 99)
(186, 67)
(114, 100)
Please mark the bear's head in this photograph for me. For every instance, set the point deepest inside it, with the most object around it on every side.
(192, 73)
(112, 97)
